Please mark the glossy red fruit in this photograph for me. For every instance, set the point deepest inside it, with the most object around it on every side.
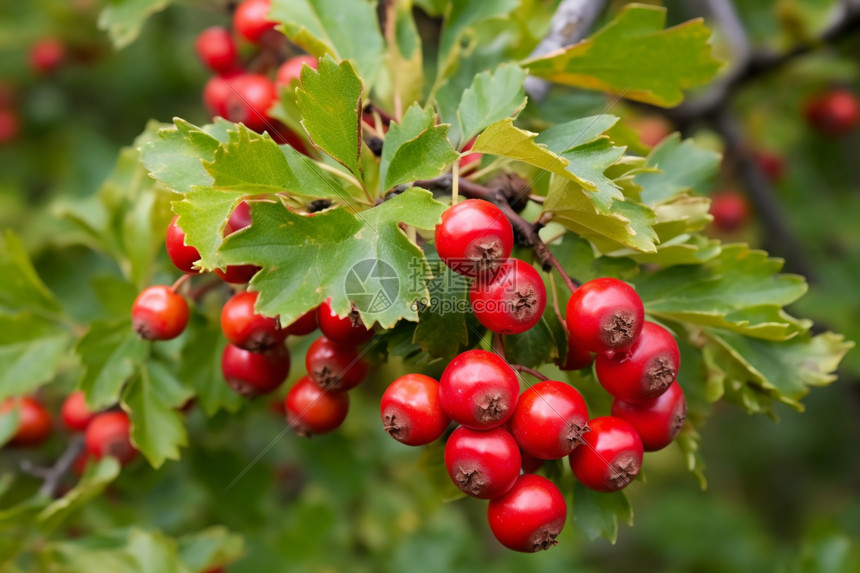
(158, 313)
(474, 237)
(34, 421)
(253, 373)
(183, 256)
(479, 390)
(411, 410)
(509, 300)
(75, 412)
(549, 420)
(305, 324)
(292, 69)
(646, 371)
(238, 274)
(530, 516)
(109, 435)
(333, 365)
(251, 20)
(605, 315)
(249, 100)
(483, 464)
(312, 410)
(470, 159)
(611, 457)
(47, 55)
(834, 113)
(217, 50)
(347, 330)
(216, 93)
(9, 125)
(657, 421)
(730, 210)
(577, 357)
(245, 328)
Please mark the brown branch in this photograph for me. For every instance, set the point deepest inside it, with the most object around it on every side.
(527, 370)
(54, 475)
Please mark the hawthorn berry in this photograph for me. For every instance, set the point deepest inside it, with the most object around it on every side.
(249, 100)
(305, 324)
(216, 94)
(159, 313)
(411, 410)
(474, 237)
(549, 420)
(245, 328)
(312, 410)
(479, 390)
(253, 373)
(530, 516)
(730, 211)
(34, 421)
(834, 113)
(656, 421)
(605, 315)
(292, 69)
(217, 50)
(46, 55)
(577, 357)
(251, 20)
(611, 456)
(771, 163)
(347, 330)
(9, 125)
(509, 300)
(182, 255)
(333, 365)
(646, 371)
(470, 159)
(109, 434)
(75, 413)
(483, 464)
(239, 219)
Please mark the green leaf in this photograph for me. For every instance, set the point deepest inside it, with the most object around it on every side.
(683, 167)
(17, 525)
(307, 259)
(461, 17)
(689, 442)
(415, 149)
(492, 97)
(442, 329)
(21, 287)
(123, 19)
(200, 369)
(566, 136)
(598, 513)
(123, 551)
(533, 347)
(30, 351)
(176, 158)
(209, 549)
(432, 465)
(97, 477)
(9, 425)
(344, 30)
(110, 353)
(202, 214)
(648, 63)
(403, 58)
(157, 426)
(505, 140)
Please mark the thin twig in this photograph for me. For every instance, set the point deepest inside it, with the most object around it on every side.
(58, 471)
(527, 370)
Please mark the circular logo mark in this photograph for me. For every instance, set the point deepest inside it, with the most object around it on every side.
(372, 285)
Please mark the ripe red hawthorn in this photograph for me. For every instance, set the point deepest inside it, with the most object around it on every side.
(657, 421)
(312, 410)
(483, 464)
(549, 420)
(109, 435)
(411, 410)
(159, 313)
(249, 100)
(611, 457)
(217, 50)
(605, 316)
(47, 55)
(183, 256)
(292, 69)
(479, 390)
(730, 210)
(474, 237)
(34, 421)
(238, 274)
(251, 20)
(216, 93)
(834, 113)
(509, 300)
(253, 373)
(75, 413)
(530, 516)
(348, 330)
(245, 328)
(333, 365)
(305, 324)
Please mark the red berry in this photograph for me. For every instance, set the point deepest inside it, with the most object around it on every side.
(245, 328)
(109, 435)
(46, 55)
(483, 464)
(652, 129)
(471, 158)
(333, 365)
(75, 413)
(238, 274)
(216, 93)
(9, 125)
(834, 113)
(509, 300)
(158, 313)
(34, 421)
(183, 256)
(577, 357)
(657, 421)
(217, 50)
(479, 390)
(312, 410)
(253, 373)
(611, 456)
(249, 100)
(772, 164)
(605, 315)
(345, 330)
(549, 420)
(305, 324)
(530, 516)
(412, 412)
(646, 371)
(474, 237)
(292, 69)
(251, 20)
(730, 210)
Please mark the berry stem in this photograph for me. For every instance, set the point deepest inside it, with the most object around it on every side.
(499, 345)
(197, 293)
(180, 281)
(527, 370)
(555, 306)
(55, 474)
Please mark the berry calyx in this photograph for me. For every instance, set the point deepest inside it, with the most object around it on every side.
(249, 100)
(834, 113)
(646, 371)
(345, 330)
(482, 464)
(159, 313)
(333, 365)
(605, 315)
(657, 421)
(305, 324)
(730, 211)
(250, 374)
(312, 410)
(251, 20)
(75, 413)
(479, 390)
(217, 50)
(530, 516)
(549, 420)
(411, 410)
(292, 69)
(611, 457)
(245, 328)
(474, 237)
(47, 55)
(183, 256)
(239, 219)
(509, 300)
(109, 434)
(34, 421)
